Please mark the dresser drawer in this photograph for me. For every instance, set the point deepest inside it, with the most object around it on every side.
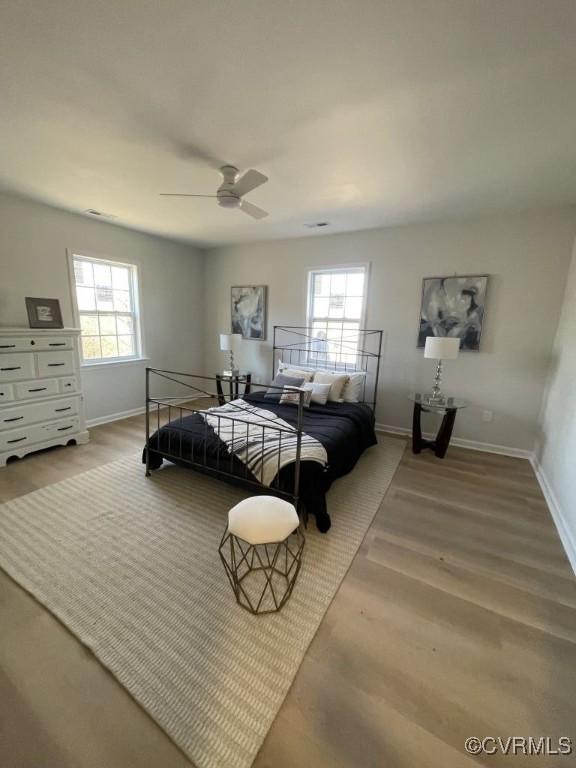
(20, 438)
(50, 343)
(25, 414)
(69, 384)
(27, 390)
(6, 393)
(16, 439)
(16, 366)
(60, 428)
(55, 363)
(15, 343)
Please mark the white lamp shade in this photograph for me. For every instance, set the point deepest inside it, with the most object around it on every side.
(442, 348)
(228, 341)
(225, 342)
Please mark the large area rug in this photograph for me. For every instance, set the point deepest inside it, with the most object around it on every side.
(130, 565)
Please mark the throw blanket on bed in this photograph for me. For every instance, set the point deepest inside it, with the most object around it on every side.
(252, 438)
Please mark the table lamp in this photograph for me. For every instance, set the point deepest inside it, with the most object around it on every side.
(440, 348)
(227, 343)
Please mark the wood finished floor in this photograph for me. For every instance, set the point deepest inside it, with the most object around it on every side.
(456, 619)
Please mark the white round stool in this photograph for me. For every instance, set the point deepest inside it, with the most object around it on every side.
(261, 551)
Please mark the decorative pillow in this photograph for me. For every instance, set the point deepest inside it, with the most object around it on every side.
(291, 395)
(352, 391)
(288, 370)
(320, 393)
(282, 381)
(337, 383)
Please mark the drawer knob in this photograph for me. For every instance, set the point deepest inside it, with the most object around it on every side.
(59, 410)
(12, 368)
(7, 346)
(37, 389)
(32, 342)
(18, 440)
(15, 418)
(55, 365)
(62, 429)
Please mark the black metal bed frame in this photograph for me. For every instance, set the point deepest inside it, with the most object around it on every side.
(174, 412)
(304, 348)
(298, 345)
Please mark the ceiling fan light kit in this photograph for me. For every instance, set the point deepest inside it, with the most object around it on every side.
(230, 193)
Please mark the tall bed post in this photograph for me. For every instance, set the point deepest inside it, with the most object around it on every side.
(274, 353)
(377, 370)
(300, 429)
(147, 422)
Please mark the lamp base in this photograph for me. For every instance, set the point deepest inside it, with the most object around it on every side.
(437, 395)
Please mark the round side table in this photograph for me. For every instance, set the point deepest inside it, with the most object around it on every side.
(449, 406)
(234, 380)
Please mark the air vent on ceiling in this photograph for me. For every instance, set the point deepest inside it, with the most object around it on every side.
(100, 214)
(317, 224)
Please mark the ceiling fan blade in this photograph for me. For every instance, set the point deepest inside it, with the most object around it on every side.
(182, 194)
(248, 182)
(252, 210)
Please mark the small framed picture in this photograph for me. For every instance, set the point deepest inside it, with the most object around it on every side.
(44, 313)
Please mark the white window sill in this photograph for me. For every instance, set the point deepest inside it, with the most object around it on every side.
(114, 363)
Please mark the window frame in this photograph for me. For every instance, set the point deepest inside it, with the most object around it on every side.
(135, 293)
(330, 270)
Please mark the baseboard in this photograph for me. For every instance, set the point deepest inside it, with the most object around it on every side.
(115, 416)
(459, 442)
(566, 536)
(133, 412)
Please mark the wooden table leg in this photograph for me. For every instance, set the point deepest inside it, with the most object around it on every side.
(221, 398)
(445, 433)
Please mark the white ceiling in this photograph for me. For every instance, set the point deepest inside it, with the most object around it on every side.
(363, 113)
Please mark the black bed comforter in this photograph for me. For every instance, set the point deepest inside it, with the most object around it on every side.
(344, 429)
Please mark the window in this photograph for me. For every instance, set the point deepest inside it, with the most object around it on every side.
(336, 299)
(107, 304)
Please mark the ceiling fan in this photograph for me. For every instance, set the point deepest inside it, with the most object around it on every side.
(230, 193)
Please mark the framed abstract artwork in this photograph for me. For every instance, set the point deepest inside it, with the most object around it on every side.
(248, 311)
(453, 306)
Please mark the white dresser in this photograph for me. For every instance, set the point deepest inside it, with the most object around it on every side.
(41, 401)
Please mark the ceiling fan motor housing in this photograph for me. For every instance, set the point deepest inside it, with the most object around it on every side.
(227, 199)
(229, 174)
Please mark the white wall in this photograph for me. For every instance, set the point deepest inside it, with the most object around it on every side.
(527, 256)
(33, 262)
(556, 444)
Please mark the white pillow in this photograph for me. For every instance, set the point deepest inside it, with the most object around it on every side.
(297, 373)
(337, 383)
(320, 392)
(352, 391)
(291, 395)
